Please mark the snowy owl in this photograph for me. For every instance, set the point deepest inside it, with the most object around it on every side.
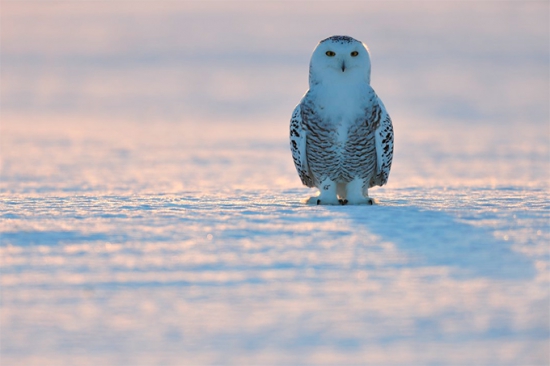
(341, 136)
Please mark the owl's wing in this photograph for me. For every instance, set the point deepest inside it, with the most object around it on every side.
(298, 146)
(383, 137)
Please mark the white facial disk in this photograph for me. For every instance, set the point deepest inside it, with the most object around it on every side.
(339, 57)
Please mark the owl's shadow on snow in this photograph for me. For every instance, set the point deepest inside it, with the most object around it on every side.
(434, 238)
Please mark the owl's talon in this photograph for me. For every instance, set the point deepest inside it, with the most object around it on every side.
(343, 202)
(318, 202)
(370, 202)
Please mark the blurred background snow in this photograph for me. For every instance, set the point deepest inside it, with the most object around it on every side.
(151, 212)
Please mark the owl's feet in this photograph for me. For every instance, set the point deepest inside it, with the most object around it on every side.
(356, 194)
(327, 194)
(316, 200)
(361, 201)
(319, 200)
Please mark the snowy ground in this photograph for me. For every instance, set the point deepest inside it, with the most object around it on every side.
(151, 213)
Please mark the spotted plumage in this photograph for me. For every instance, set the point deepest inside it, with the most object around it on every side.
(341, 135)
(341, 39)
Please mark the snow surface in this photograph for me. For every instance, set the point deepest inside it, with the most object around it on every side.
(151, 213)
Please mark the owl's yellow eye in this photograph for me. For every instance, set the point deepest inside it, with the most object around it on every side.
(330, 53)
(354, 53)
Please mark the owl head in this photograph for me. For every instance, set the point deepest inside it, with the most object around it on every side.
(339, 58)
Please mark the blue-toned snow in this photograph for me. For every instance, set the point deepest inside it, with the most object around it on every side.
(150, 212)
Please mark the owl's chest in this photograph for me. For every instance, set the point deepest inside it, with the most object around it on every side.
(337, 117)
(339, 127)
(342, 135)
(341, 147)
(340, 108)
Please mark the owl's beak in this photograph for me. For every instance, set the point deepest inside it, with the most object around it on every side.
(343, 66)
